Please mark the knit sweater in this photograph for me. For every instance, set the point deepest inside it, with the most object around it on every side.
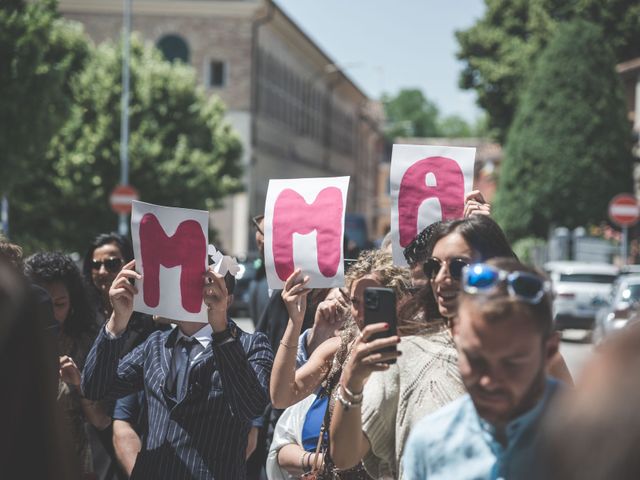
(425, 378)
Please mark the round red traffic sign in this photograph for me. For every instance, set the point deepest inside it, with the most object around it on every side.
(121, 198)
(623, 210)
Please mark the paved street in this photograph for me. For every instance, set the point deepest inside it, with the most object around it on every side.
(576, 349)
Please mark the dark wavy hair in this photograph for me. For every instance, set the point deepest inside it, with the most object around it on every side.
(47, 267)
(481, 232)
(105, 239)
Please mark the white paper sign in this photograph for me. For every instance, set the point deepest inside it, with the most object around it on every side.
(170, 248)
(304, 228)
(428, 184)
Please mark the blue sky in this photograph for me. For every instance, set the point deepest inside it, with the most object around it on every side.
(387, 45)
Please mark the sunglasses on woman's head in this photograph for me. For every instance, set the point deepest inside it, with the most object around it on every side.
(433, 265)
(524, 286)
(112, 264)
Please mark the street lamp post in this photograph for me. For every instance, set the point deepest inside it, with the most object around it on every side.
(123, 224)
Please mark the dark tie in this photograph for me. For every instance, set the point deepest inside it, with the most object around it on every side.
(182, 352)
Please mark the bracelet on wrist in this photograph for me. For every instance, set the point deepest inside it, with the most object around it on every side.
(356, 396)
(286, 345)
(346, 404)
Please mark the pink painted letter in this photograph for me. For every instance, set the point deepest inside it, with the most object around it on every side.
(187, 248)
(292, 214)
(449, 190)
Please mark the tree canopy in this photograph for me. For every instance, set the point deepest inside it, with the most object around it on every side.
(410, 113)
(500, 49)
(39, 53)
(182, 152)
(569, 150)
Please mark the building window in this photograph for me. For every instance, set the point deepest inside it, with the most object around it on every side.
(174, 48)
(217, 74)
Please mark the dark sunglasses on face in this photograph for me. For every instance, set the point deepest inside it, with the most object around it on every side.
(112, 264)
(433, 265)
(524, 286)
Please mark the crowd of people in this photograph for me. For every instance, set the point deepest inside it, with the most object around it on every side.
(470, 385)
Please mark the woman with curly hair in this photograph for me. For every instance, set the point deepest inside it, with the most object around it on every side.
(58, 275)
(314, 384)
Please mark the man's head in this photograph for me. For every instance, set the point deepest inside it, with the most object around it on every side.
(504, 343)
(11, 253)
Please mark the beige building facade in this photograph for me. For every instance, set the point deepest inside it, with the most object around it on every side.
(297, 113)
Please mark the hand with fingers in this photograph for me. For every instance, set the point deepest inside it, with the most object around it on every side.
(69, 371)
(367, 356)
(216, 298)
(295, 294)
(330, 315)
(475, 204)
(121, 297)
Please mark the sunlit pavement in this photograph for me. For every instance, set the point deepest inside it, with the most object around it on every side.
(576, 348)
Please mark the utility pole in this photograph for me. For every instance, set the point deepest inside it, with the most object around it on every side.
(123, 224)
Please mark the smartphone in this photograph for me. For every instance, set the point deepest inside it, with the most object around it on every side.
(380, 307)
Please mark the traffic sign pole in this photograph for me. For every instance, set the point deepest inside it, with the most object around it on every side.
(624, 212)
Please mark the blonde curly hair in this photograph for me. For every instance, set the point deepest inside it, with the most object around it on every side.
(380, 264)
(370, 262)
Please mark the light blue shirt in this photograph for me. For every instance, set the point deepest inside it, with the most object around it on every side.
(455, 443)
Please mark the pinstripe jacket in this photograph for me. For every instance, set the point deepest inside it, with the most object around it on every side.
(204, 436)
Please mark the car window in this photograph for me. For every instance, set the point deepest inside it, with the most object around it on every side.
(587, 277)
(631, 293)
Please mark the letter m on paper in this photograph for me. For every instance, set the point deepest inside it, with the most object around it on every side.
(187, 248)
(292, 214)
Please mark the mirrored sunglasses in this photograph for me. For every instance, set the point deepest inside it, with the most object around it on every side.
(524, 286)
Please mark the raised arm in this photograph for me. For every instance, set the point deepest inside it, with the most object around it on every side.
(104, 374)
(348, 444)
(288, 385)
(245, 363)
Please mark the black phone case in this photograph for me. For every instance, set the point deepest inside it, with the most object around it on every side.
(380, 307)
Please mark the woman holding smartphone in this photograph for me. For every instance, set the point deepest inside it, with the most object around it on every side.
(295, 440)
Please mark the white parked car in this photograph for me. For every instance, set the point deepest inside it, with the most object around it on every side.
(623, 305)
(580, 289)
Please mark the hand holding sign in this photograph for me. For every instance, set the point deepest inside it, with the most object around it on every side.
(294, 295)
(215, 297)
(475, 204)
(121, 296)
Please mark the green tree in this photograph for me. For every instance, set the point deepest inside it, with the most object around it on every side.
(568, 151)
(410, 114)
(38, 55)
(454, 126)
(500, 49)
(182, 152)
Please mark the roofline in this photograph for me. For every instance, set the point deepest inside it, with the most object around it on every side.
(325, 55)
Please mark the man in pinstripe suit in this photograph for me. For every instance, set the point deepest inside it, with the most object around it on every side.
(198, 422)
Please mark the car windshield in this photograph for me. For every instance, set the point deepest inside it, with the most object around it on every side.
(587, 277)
